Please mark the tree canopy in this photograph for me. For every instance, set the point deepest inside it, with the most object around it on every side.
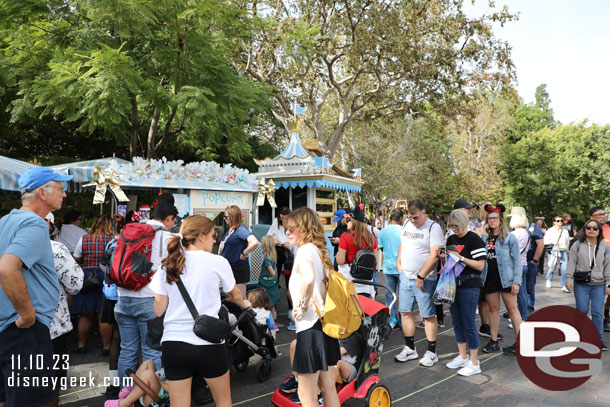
(144, 74)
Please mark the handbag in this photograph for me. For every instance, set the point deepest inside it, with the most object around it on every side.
(555, 253)
(90, 281)
(582, 277)
(208, 328)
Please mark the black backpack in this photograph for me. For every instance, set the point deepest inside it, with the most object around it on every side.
(364, 265)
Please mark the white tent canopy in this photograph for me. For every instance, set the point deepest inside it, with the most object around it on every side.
(83, 170)
(10, 171)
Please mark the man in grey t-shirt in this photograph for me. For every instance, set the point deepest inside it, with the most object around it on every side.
(417, 257)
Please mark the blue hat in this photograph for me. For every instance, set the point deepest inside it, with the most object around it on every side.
(339, 215)
(36, 177)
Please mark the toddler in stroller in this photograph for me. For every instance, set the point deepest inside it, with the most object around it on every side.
(251, 336)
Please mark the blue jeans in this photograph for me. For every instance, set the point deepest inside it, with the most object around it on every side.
(563, 269)
(522, 297)
(593, 295)
(532, 273)
(463, 313)
(131, 315)
(392, 280)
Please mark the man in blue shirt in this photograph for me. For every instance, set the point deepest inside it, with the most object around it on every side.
(389, 242)
(29, 291)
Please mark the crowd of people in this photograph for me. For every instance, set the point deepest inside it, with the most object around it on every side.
(50, 277)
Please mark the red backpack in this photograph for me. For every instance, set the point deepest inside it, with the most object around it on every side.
(131, 265)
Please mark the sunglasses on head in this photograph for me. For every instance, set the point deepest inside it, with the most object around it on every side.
(592, 228)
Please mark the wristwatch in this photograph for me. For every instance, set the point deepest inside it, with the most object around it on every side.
(462, 259)
(420, 277)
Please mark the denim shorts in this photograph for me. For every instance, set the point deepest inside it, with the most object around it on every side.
(408, 293)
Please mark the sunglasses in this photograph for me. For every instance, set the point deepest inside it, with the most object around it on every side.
(291, 229)
(557, 221)
(348, 219)
(453, 226)
(592, 228)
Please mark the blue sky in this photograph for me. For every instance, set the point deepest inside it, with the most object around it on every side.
(565, 44)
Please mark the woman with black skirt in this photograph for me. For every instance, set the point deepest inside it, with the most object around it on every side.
(316, 354)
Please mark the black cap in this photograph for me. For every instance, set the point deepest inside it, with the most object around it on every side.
(462, 204)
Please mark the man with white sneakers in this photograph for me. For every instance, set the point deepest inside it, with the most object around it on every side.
(417, 257)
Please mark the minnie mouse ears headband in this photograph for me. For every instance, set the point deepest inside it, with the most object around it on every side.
(499, 208)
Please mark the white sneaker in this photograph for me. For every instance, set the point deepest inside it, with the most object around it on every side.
(565, 289)
(457, 363)
(470, 369)
(548, 283)
(406, 354)
(429, 359)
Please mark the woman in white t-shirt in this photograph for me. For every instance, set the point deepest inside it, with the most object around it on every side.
(184, 354)
(316, 353)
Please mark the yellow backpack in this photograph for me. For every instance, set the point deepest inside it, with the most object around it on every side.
(342, 311)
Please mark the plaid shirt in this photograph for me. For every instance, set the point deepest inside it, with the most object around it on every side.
(93, 249)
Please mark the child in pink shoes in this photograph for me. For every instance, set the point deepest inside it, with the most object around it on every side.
(154, 380)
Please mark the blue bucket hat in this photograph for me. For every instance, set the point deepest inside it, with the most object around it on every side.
(36, 177)
(339, 215)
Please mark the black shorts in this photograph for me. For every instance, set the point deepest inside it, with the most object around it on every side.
(182, 360)
(315, 351)
(108, 311)
(61, 351)
(17, 345)
(241, 272)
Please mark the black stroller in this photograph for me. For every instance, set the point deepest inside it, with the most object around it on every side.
(248, 339)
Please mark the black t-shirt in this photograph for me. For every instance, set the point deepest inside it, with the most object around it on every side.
(492, 261)
(339, 230)
(354, 345)
(471, 246)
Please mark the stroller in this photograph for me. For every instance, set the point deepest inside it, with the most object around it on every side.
(375, 329)
(248, 339)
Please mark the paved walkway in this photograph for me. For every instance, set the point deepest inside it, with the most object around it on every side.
(501, 382)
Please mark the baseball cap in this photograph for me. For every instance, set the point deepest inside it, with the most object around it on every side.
(36, 177)
(462, 204)
(338, 215)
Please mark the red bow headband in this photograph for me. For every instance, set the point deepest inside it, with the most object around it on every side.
(489, 208)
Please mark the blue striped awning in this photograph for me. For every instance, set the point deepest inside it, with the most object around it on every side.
(83, 170)
(177, 183)
(319, 183)
(10, 171)
(294, 149)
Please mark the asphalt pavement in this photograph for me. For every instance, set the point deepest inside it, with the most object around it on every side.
(500, 383)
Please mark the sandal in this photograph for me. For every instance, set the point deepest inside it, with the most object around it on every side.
(125, 392)
(113, 403)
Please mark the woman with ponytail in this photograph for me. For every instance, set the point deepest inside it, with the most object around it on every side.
(315, 352)
(184, 354)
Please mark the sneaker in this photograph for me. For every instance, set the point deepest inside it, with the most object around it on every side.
(506, 315)
(509, 350)
(565, 289)
(291, 326)
(470, 369)
(393, 322)
(510, 325)
(457, 363)
(406, 354)
(420, 325)
(604, 347)
(492, 346)
(548, 284)
(441, 323)
(295, 398)
(429, 359)
(290, 385)
(485, 330)
(290, 316)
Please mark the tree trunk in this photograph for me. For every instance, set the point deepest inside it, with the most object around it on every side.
(152, 132)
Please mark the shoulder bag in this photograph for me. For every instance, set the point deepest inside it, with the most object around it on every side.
(584, 277)
(208, 328)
